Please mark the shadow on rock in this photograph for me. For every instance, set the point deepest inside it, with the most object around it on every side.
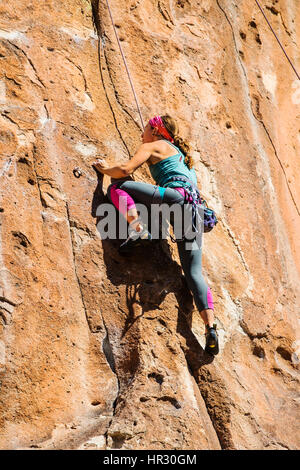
(149, 275)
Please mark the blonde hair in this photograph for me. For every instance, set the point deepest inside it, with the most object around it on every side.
(172, 127)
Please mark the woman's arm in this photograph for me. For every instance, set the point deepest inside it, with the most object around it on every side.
(125, 169)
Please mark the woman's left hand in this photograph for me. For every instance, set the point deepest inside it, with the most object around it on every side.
(100, 165)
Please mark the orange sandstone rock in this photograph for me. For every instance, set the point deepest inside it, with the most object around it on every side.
(101, 352)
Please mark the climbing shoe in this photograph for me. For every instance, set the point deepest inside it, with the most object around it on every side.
(212, 342)
(135, 239)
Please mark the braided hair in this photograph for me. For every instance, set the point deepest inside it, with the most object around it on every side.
(172, 127)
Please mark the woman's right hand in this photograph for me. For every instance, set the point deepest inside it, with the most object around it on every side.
(100, 165)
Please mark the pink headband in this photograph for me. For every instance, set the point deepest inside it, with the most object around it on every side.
(157, 123)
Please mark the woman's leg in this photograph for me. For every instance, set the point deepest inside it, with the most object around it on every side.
(191, 259)
(191, 262)
(126, 207)
(124, 195)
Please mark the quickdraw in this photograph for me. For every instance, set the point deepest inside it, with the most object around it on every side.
(77, 172)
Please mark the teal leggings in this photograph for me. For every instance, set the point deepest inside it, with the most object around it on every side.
(191, 259)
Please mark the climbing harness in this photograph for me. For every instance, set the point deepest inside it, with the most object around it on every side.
(193, 197)
(265, 17)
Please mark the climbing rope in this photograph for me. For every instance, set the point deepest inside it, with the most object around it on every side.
(77, 171)
(125, 63)
(259, 6)
(128, 72)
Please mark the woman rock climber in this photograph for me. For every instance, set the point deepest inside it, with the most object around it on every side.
(167, 155)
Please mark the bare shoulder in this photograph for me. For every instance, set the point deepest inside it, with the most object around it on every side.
(163, 147)
(156, 146)
(160, 149)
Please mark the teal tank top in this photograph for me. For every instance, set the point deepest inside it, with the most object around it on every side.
(163, 171)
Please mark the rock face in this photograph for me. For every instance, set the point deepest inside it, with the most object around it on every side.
(97, 351)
